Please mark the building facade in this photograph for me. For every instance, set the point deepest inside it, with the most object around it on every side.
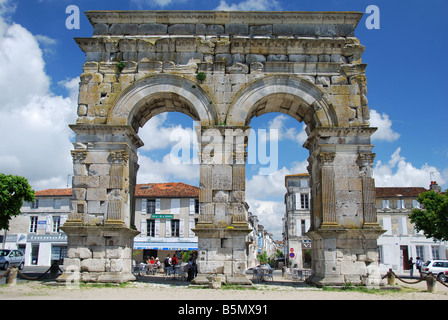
(296, 221)
(165, 216)
(401, 241)
(396, 246)
(36, 232)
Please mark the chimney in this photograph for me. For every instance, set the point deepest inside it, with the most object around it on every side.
(435, 187)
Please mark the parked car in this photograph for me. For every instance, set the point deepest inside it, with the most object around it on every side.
(11, 258)
(438, 268)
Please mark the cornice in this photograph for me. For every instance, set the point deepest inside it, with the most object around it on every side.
(223, 17)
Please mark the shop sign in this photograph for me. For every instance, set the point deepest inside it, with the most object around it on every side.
(47, 238)
(162, 216)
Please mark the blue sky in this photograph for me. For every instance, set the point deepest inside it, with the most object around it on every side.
(406, 78)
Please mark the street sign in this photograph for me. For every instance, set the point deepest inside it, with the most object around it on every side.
(292, 249)
(292, 255)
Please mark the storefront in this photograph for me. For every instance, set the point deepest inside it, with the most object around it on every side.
(39, 250)
(145, 248)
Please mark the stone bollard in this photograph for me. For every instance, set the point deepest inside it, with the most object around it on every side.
(11, 278)
(390, 278)
(214, 282)
(431, 283)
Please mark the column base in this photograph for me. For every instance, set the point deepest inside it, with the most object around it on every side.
(98, 254)
(345, 256)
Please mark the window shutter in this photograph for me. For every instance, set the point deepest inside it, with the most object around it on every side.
(144, 206)
(307, 225)
(191, 226)
(143, 227)
(298, 227)
(157, 206)
(181, 228)
(387, 225)
(63, 219)
(297, 199)
(49, 226)
(402, 226)
(167, 228)
(157, 231)
(192, 206)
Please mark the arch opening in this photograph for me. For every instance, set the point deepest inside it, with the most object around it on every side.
(153, 95)
(286, 94)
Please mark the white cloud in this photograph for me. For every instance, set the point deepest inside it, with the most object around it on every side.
(34, 132)
(166, 171)
(141, 4)
(157, 134)
(398, 172)
(285, 132)
(247, 5)
(384, 125)
(270, 214)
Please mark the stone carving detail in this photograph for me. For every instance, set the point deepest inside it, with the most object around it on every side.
(79, 155)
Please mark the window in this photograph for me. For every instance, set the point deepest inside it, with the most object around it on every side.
(151, 206)
(435, 252)
(380, 254)
(305, 201)
(56, 224)
(33, 224)
(385, 204)
(175, 227)
(303, 226)
(196, 205)
(57, 204)
(419, 251)
(35, 204)
(400, 204)
(415, 204)
(151, 228)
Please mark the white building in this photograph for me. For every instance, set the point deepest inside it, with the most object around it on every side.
(401, 241)
(396, 246)
(296, 221)
(36, 231)
(165, 214)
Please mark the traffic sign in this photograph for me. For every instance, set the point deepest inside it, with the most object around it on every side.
(292, 255)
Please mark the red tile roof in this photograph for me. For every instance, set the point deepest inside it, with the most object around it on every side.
(54, 192)
(159, 190)
(405, 192)
(166, 190)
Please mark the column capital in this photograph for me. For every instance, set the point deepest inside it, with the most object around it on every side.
(119, 156)
(79, 155)
(326, 157)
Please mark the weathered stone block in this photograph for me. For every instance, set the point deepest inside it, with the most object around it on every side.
(222, 177)
(152, 29)
(237, 28)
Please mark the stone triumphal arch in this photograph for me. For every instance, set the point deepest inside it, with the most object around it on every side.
(222, 69)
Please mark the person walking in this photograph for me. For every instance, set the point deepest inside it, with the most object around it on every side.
(419, 264)
(411, 267)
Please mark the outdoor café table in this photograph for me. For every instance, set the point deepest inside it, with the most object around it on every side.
(263, 273)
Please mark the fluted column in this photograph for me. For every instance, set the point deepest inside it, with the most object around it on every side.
(329, 217)
(365, 161)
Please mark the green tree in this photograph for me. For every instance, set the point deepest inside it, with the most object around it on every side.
(13, 191)
(432, 219)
